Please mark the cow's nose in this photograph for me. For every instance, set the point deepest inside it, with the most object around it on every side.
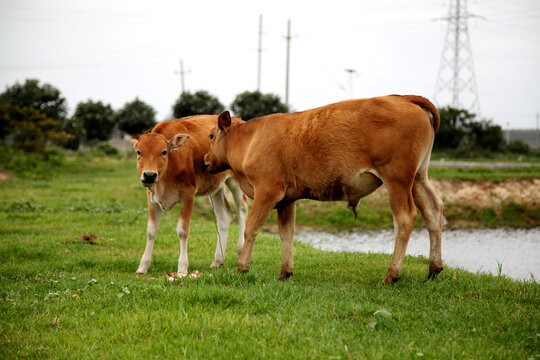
(149, 177)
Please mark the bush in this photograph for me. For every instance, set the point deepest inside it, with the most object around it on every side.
(518, 147)
(106, 149)
(31, 165)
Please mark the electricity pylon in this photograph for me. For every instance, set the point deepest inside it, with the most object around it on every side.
(456, 81)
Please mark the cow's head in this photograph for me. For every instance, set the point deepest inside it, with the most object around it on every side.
(153, 153)
(216, 158)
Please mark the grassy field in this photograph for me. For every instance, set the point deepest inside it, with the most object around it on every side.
(62, 296)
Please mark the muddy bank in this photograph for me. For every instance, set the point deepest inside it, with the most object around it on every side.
(484, 193)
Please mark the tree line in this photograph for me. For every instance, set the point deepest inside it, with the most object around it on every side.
(33, 115)
(462, 135)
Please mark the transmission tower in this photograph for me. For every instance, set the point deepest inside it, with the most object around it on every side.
(456, 81)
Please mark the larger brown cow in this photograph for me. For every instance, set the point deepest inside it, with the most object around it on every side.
(171, 167)
(342, 151)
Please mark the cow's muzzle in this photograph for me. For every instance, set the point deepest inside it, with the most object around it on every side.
(148, 178)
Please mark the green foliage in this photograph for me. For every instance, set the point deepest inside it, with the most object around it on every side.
(136, 117)
(31, 165)
(250, 105)
(199, 103)
(484, 173)
(483, 135)
(96, 119)
(465, 136)
(44, 98)
(62, 296)
(518, 147)
(453, 128)
(30, 130)
(106, 149)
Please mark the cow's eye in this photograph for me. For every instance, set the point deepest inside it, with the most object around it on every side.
(211, 136)
(164, 152)
(138, 153)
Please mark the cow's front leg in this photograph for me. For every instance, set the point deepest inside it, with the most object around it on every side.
(152, 227)
(182, 229)
(265, 200)
(286, 217)
(223, 213)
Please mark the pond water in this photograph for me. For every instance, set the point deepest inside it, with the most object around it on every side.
(516, 252)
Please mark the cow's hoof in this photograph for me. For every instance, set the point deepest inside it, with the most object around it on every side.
(141, 272)
(242, 270)
(434, 271)
(215, 264)
(389, 279)
(285, 276)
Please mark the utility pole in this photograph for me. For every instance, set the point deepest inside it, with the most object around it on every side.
(537, 125)
(456, 79)
(351, 73)
(260, 53)
(182, 73)
(288, 38)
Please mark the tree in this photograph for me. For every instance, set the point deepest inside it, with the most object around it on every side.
(198, 103)
(30, 129)
(459, 130)
(96, 119)
(453, 128)
(44, 98)
(485, 136)
(136, 117)
(249, 105)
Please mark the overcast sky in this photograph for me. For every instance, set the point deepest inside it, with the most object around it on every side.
(114, 51)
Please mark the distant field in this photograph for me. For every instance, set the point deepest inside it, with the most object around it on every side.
(62, 296)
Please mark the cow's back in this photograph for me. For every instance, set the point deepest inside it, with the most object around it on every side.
(325, 145)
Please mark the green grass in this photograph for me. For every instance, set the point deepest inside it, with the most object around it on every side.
(483, 173)
(61, 297)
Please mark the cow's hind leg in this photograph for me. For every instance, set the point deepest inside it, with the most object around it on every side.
(223, 213)
(152, 227)
(404, 213)
(286, 217)
(240, 200)
(265, 200)
(431, 208)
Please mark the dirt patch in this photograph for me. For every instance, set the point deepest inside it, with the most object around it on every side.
(483, 193)
(5, 175)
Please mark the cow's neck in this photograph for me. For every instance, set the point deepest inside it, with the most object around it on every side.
(159, 194)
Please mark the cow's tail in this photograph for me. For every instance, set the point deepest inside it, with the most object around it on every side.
(428, 106)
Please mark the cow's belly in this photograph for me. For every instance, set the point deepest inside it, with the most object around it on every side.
(339, 189)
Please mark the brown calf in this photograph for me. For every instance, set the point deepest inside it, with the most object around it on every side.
(170, 163)
(343, 151)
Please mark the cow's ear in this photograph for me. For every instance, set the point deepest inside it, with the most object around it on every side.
(224, 121)
(178, 141)
(134, 142)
